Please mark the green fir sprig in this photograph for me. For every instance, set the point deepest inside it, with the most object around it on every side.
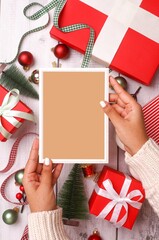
(14, 78)
(72, 196)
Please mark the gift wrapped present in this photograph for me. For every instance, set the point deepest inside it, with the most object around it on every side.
(13, 113)
(117, 198)
(151, 118)
(126, 34)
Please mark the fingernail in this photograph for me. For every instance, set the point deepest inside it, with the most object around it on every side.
(47, 161)
(103, 104)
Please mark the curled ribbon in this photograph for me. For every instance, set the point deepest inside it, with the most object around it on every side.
(118, 200)
(9, 102)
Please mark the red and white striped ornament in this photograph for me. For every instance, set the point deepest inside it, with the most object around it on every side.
(151, 117)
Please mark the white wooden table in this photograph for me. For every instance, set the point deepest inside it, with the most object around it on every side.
(12, 25)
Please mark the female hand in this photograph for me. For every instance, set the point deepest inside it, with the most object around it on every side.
(127, 118)
(39, 180)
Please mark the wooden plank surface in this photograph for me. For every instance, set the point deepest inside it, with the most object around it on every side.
(12, 25)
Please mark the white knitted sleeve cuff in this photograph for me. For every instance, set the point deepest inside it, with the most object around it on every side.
(144, 165)
(46, 225)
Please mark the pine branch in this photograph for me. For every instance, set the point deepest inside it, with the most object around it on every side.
(14, 78)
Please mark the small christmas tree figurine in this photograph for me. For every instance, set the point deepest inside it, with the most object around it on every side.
(14, 78)
(72, 197)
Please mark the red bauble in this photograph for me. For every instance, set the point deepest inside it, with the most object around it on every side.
(95, 236)
(25, 59)
(19, 196)
(22, 188)
(61, 51)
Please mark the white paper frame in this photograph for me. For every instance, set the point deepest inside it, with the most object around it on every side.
(106, 121)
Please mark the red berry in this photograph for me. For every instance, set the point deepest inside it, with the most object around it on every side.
(61, 51)
(22, 188)
(19, 196)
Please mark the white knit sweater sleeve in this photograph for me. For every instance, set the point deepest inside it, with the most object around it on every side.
(46, 225)
(144, 166)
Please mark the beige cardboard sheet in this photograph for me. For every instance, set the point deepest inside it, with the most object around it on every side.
(73, 123)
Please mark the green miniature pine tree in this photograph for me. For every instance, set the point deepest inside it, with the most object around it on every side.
(14, 78)
(72, 196)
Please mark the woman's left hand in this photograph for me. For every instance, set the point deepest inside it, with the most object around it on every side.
(39, 180)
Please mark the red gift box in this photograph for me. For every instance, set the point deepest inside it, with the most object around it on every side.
(151, 118)
(126, 34)
(117, 198)
(11, 123)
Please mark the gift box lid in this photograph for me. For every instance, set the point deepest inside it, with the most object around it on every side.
(137, 54)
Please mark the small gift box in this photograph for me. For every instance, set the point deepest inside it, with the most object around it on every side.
(126, 34)
(13, 113)
(117, 198)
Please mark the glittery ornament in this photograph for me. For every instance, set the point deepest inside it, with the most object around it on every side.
(34, 77)
(88, 170)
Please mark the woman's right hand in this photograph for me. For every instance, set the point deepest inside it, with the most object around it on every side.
(127, 117)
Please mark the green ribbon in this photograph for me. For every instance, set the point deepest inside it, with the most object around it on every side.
(58, 5)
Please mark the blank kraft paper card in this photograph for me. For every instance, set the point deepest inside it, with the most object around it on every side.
(73, 127)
